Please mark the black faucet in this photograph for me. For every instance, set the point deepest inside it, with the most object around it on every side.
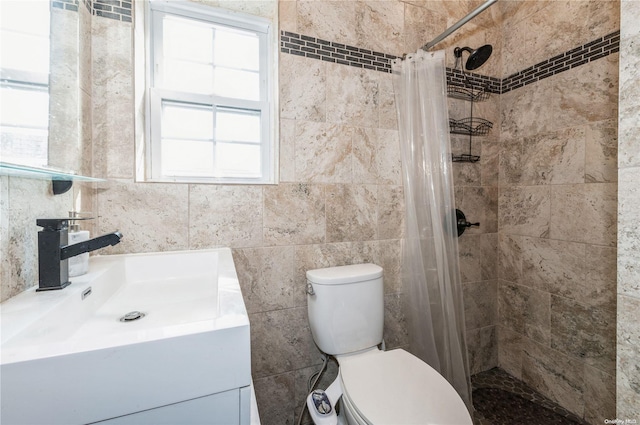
(54, 253)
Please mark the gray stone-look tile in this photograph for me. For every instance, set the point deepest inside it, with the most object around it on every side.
(525, 210)
(151, 216)
(323, 153)
(482, 345)
(113, 126)
(390, 259)
(266, 277)
(376, 156)
(599, 289)
(5, 263)
(351, 212)
(388, 114)
(555, 375)
(287, 149)
(480, 304)
(601, 161)
(352, 96)
(395, 324)
(509, 257)
(554, 158)
(275, 398)
(510, 345)
(478, 257)
(294, 214)
(302, 88)
(391, 212)
(584, 332)
(553, 28)
(628, 353)
(629, 91)
(553, 266)
(281, 341)
(629, 232)
(584, 213)
(628, 129)
(524, 310)
(480, 204)
(596, 81)
(225, 216)
(489, 162)
(470, 258)
(599, 395)
(489, 264)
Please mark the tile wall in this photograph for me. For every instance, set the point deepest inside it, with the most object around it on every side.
(628, 348)
(557, 208)
(340, 197)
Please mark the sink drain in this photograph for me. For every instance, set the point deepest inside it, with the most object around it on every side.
(131, 316)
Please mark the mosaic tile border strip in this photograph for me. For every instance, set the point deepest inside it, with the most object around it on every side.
(456, 77)
(329, 51)
(119, 10)
(66, 4)
(316, 48)
(588, 52)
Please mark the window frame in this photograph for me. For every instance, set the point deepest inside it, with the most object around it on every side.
(263, 28)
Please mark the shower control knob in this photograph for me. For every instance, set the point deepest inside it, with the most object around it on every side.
(321, 402)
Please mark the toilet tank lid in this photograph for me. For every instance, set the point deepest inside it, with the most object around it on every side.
(344, 274)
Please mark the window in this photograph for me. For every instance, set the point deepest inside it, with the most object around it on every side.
(210, 96)
(24, 82)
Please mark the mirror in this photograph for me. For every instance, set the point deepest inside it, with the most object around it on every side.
(45, 71)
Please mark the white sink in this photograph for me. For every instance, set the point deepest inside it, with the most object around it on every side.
(66, 358)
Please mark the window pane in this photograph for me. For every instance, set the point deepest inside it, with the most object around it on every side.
(237, 49)
(188, 40)
(187, 158)
(236, 84)
(188, 76)
(24, 52)
(237, 126)
(31, 17)
(25, 146)
(24, 107)
(25, 28)
(186, 121)
(238, 160)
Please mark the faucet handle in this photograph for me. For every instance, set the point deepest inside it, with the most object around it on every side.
(80, 215)
(53, 223)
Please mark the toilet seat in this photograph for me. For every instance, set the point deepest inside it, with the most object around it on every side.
(395, 387)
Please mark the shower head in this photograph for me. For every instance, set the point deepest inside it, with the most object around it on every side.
(476, 58)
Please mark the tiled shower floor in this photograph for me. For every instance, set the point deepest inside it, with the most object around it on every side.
(501, 399)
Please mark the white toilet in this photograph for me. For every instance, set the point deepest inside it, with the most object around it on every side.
(346, 315)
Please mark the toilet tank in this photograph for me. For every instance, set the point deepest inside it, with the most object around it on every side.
(346, 310)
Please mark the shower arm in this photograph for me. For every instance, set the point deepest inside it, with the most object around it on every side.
(458, 24)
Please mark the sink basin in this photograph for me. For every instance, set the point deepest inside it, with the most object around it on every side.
(67, 357)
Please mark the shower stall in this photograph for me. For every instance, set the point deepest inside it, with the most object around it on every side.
(534, 303)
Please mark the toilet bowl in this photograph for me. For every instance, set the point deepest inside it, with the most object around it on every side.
(346, 316)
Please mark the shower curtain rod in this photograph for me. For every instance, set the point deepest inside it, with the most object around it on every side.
(458, 24)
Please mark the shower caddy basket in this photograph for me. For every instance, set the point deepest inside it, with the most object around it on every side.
(471, 126)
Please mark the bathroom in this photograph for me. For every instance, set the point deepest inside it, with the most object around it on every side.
(553, 191)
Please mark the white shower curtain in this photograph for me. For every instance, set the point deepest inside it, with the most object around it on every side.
(431, 272)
